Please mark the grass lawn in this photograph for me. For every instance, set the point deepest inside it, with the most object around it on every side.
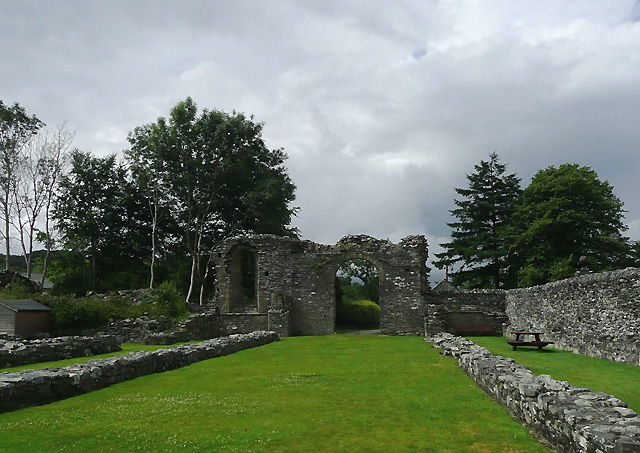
(599, 375)
(126, 348)
(309, 394)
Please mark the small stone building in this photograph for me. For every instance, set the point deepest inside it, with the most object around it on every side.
(23, 317)
(288, 285)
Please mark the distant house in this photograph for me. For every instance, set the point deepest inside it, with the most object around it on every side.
(444, 285)
(47, 287)
(23, 317)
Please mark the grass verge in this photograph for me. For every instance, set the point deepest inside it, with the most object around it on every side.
(599, 375)
(333, 393)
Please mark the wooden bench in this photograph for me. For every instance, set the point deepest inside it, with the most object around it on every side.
(475, 329)
(537, 343)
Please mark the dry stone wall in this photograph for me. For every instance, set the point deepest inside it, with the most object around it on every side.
(24, 352)
(571, 419)
(596, 314)
(36, 387)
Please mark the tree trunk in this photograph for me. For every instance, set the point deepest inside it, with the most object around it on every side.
(154, 224)
(194, 258)
(29, 262)
(93, 266)
(204, 279)
(6, 232)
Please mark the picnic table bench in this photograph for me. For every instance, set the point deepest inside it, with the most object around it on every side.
(537, 343)
(476, 329)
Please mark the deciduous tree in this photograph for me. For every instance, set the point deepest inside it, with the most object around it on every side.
(98, 213)
(564, 213)
(16, 128)
(40, 165)
(220, 176)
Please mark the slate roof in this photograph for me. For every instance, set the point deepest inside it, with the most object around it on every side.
(444, 285)
(38, 278)
(23, 305)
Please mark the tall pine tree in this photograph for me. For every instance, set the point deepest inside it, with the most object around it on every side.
(478, 238)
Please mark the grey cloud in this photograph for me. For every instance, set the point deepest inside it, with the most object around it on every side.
(383, 110)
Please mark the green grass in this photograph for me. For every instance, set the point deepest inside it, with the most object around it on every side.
(599, 375)
(126, 348)
(346, 393)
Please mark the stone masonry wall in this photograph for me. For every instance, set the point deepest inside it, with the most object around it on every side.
(231, 323)
(571, 419)
(596, 314)
(15, 353)
(201, 326)
(295, 281)
(36, 387)
(452, 310)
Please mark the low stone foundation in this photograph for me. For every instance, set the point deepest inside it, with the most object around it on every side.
(571, 419)
(201, 326)
(24, 352)
(36, 387)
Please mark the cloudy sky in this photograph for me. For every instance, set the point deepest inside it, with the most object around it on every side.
(382, 107)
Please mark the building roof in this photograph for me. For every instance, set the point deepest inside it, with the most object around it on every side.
(38, 278)
(23, 305)
(445, 285)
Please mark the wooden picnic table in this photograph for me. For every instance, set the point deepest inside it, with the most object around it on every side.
(520, 342)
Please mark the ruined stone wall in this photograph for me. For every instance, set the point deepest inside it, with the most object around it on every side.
(465, 311)
(24, 352)
(571, 419)
(231, 323)
(596, 314)
(201, 326)
(35, 387)
(295, 281)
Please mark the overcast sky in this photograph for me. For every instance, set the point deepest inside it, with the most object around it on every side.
(382, 107)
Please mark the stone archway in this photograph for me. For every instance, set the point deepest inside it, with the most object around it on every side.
(365, 287)
(295, 281)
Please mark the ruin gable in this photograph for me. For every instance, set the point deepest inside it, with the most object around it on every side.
(292, 281)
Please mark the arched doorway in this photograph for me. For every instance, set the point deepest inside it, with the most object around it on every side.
(243, 281)
(357, 296)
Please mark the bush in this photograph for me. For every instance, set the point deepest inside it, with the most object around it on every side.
(360, 313)
(71, 315)
(168, 301)
(17, 290)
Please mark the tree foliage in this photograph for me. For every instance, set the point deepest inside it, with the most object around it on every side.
(100, 215)
(358, 280)
(217, 175)
(478, 242)
(564, 213)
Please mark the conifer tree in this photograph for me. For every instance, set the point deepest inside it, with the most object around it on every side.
(478, 239)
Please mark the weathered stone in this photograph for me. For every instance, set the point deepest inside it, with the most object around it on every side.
(34, 387)
(15, 353)
(295, 281)
(596, 314)
(571, 419)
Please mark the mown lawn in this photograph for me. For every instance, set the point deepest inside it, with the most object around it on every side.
(599, 375)
(307, 394)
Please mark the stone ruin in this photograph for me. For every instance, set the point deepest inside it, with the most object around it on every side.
(288, 285)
